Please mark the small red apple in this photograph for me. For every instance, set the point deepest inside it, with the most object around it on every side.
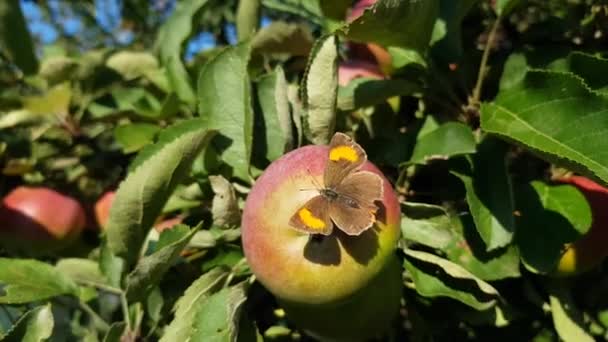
(38, 220)
(298, 267)
(370, 52)
(102, 213)
(349, 70)
(587, 252)
(168, 223)
(102, 208)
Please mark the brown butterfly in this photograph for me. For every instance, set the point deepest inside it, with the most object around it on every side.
(347, 198)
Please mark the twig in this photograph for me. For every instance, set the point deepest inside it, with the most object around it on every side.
(125, 310)
(102, 287)
(474, 99)
(100, 322)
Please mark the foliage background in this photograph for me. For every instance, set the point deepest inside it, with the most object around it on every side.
(480, 110)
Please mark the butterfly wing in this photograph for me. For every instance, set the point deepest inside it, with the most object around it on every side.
(313, 217)
(354, 210)
(344, 156)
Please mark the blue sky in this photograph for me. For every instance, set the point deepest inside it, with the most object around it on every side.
(108, 17)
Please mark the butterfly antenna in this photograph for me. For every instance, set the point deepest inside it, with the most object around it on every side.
(314, 180)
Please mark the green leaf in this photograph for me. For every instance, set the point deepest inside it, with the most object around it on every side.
(225, 207)
(150, 269)
(279, 37)
(469, 251)
(153, 176)
(450, 139)
(115, 333)
(320, 90)
(426, 224)
(567, 320)
(455, 235)
(219, 315)
(34, 326)
(514, 71)
(19, 117)
(58, 69)
(111, 266)
(132, 64)
(555, 215)
(79, 269)
(133, 137)
(400, 23)
(247, 18)
(28, 280)
(489, 194)
(404, 57)
(15, 39)
(180, 81)
(367, 92)
(224, 93)
(437, 277)
(591, 68)
(187, 307)
(575, 132)
(171, 37)
(447, 32)
(308, 9)
(336, 9)
(503, 7)
(277, 129)
(154, 305)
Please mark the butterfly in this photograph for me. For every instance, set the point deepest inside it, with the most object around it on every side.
(348, 196)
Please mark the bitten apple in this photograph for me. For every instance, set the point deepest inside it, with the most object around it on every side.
(592, 248)
(38, 220)
(302, 268)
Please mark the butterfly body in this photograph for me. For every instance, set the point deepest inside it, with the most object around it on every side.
(346, 200)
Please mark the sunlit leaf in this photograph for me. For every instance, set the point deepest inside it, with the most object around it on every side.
(28, 280)
(224, 94)
(437, 277)
(188, 306)
(320, 90)
(34, 326)
(574, 134)
(156, 171)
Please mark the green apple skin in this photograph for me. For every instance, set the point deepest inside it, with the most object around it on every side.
(367, 314)
(589, 251)
(38, 220)
(295, 266)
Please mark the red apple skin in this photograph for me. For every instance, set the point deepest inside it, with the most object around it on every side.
(168, 223)
(370, 52)
(365, 315)
(38, 220)
(289, 263)
(592, 248)
(102, 208)
(102, 213)
(349, 70)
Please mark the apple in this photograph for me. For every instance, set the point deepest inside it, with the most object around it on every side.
(299, 267)
(102, 213)
(349, 70)
(370, 52)
(367, 314)
(102, 208)
(38, 220)
(587, 252)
